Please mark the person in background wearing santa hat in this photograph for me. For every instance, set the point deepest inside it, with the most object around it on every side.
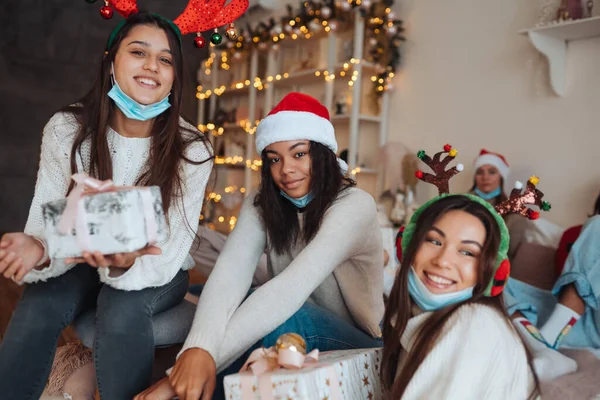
(491, 170)
(324, 255)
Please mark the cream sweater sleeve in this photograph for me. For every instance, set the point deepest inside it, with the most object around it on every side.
(339, 237)
(53, 180)
(228, 282)
(153, 271)
(478, 356)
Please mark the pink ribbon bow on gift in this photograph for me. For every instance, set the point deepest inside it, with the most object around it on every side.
(74, 215)
(262, 362)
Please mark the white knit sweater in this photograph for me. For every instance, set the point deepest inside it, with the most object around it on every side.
(129, 158)
(477, 356)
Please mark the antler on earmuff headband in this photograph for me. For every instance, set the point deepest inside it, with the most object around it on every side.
(517, 203)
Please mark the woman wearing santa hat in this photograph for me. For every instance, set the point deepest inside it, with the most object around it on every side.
(491, 170)
(324, 254)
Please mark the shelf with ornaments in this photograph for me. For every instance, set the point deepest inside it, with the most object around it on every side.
(552, 41)
(336, 63)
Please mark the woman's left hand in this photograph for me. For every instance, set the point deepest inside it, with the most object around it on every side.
(119, 260)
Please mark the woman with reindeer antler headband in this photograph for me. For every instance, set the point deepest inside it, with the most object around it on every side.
(127, 128)
(446, 332)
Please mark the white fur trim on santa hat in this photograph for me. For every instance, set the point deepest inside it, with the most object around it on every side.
(295, 125)
(491, 159)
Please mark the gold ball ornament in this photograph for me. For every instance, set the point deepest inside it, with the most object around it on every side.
(231, 33)
(291, 341)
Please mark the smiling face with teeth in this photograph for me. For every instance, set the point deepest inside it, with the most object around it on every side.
(448, 259)
(144, 64)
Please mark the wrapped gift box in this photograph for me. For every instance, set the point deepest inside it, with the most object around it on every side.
(118, 221)
(344, 374)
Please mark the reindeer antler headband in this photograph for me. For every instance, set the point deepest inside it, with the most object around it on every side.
(517, 203)
(198, 16)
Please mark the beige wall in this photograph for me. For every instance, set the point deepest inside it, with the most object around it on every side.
(469, 79)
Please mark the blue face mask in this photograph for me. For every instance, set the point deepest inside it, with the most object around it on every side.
(301, 202)
(488, 196)
(428, 301)
(131, 108)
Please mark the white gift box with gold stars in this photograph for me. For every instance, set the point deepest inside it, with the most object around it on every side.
(344, 374)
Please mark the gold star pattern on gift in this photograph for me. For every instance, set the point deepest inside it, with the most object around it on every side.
(366, 381)
(366, 365)
(327, 382)
(370, 395)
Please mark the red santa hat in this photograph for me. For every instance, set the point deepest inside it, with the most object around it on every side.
(495, 159)
(296, 117)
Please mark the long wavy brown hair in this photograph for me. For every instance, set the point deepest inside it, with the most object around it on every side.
(398, 309)
(170, 138)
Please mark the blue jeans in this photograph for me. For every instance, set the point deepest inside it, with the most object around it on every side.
(320, 328)
(124, 345)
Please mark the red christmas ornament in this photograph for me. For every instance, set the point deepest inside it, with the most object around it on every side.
(419, 174)
(447, 147)
(199, 42)
(106, 12)
(533, 215)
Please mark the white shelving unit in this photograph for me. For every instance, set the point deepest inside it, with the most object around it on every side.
(357, 130)
(552, 40)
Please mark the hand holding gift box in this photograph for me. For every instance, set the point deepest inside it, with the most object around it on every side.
(99, 217)
(284, 372)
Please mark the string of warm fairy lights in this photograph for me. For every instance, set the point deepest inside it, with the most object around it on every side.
(222, 218)
(383, 32)
(263, 83)
(216, 198)
(254, 165)
(215, 130)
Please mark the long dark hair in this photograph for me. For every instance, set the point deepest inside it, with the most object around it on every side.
(398, 309)
(169, 138)
(597, 206)
(280, 217)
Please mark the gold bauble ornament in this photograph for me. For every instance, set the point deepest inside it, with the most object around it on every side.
(291, 341)
(231, 33)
